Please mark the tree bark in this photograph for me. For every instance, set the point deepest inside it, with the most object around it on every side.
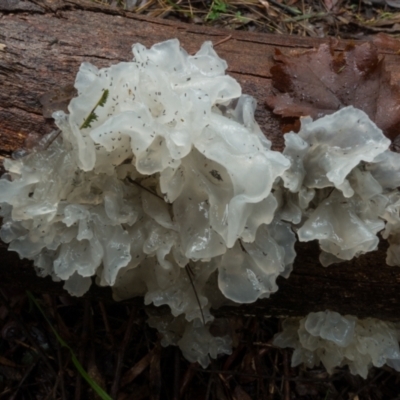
(42, 44)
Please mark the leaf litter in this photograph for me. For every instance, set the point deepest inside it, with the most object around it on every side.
(320, 82)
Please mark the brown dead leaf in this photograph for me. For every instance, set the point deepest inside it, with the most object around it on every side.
(386, 42)
(136, 370)
(320, 82)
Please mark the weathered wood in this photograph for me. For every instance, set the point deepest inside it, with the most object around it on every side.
(42, 49)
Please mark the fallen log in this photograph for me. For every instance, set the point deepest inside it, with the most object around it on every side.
(42, 45)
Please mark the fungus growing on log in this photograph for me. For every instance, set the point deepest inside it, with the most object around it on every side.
(160, 183)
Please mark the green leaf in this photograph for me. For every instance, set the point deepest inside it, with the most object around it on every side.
(217, 8)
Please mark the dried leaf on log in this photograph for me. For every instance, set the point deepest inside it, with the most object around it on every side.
(320, 82)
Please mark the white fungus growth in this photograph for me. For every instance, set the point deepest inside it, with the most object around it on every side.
(161, 184)
(343, 181)
(195, 339)
(330, 147)
(337, 340)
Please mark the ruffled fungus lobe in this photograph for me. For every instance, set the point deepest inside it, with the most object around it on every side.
(337, 340)
(160, 172)
(343, 179)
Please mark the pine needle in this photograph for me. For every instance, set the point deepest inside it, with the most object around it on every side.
(189, 271)
(101, 393)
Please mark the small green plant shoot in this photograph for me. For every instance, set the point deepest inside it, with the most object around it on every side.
(93, 116)
(217, 8)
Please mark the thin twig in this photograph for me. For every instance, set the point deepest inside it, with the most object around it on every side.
(275, 370)
(286, 385)
(106, 323)
(82, 350)
(74, 358)
(38, 349)
(242, 247)
(188, 377)
(27, 372)
(306, 16)
(288, 9)
(266, 376)
(6, 391)
(369, 383)
(259, 369)
(60, 373)
(189, 271)
(231, 359)
(177, 374)
(58, 319)
(222, 41)
(144, 188)
(121, 353)
(209, 385)
(155, 373)
(52, 393)
(59, 355)
(50, 142)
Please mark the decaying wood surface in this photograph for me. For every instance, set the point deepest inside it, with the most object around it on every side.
(42, 44)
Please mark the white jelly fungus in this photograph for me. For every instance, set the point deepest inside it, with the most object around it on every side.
(161, 184)
(343, 182)
(337, 340)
